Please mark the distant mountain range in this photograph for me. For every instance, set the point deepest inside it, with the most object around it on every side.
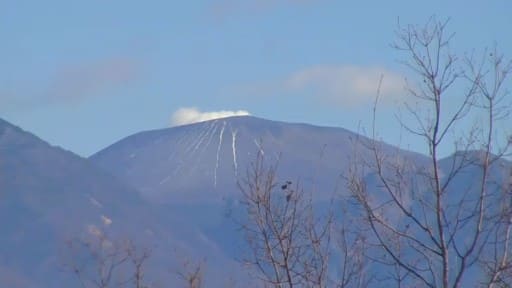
(171, 184)
(48, 195)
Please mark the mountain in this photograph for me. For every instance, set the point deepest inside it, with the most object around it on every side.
(47, 197)
(169, 190)
(191, 172)
(202, 162)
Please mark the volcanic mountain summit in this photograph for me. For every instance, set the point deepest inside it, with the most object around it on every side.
(204, 161)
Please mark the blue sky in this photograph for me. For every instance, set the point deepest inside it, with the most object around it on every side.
(84, 74)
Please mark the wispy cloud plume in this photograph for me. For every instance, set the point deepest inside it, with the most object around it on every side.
(90, 79)
(71, 83)
(191, 115)
(347, 85)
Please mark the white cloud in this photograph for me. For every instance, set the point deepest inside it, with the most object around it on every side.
(348, 85)
(190, 115)
(71, 83)
(77, 82)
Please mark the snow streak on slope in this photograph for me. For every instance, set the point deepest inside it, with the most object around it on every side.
(177, 144)
(260, 149)
(175, 152)
(215, 127)
(194, 144)
(194, 147)
(204, 144)
(165, 179)
(218, 152)
(233, 147)
(95, 202)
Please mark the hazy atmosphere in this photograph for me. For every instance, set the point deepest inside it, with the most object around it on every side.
(255, 143)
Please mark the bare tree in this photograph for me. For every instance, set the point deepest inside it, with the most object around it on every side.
(430, 226)
(286, 246)
(291, 244)
(191, 274)
(138, 259)
(99, 261)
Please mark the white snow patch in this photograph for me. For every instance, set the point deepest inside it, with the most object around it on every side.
(233, 147)
(95, 202)
(258, 144)
(106, 221)
(218, 152)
